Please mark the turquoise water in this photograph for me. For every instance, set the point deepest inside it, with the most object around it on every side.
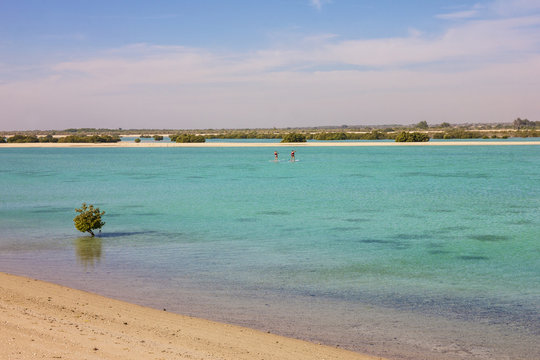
(430, 233)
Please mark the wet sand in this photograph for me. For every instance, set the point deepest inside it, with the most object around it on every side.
(44, 320)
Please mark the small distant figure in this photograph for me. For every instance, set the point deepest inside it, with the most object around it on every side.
(292, 155)
(275, 155)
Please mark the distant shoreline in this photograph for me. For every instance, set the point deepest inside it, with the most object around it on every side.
(242, 144)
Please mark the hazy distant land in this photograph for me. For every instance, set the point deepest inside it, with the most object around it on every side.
(520, 128)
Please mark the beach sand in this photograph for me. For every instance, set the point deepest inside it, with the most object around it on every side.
(271, 145)
(44, 320)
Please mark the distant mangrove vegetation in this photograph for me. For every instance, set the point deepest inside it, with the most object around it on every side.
(294, 137)
(372, 135)
(89, 139)
(406, 136)
(66, 139)
(246, 134)
(187, 138)
(520, 127)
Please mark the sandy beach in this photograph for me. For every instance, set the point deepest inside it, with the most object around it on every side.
(44, 320)
(271, 145)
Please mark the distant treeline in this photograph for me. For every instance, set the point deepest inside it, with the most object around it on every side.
(250, 134)
(374, 135)
(278, 133)
(519, 128)
(525, 123)
(406, 136)
(187, 138)
(464, 134)
(294, 137)
(66, 139)
(403, 136)
(453, 133)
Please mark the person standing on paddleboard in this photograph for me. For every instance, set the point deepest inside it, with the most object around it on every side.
(292, 155)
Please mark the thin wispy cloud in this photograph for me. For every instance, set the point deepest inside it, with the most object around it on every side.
(458, 15)
(475, 44)
(514, 7)
(465, 13)
(480, 69)
(318, 4)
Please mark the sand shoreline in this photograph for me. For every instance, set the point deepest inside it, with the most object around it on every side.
(40, 319)
(271, 145)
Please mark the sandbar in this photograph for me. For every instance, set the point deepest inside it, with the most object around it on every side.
(125, 144)
(44, 320)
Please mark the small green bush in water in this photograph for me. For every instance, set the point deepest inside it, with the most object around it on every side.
(89, 219)
(294, 137)
(137, 140)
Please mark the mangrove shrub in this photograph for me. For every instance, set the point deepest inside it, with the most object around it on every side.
(23, 139)
(187, 138)
(89, 219)
(90, 139)
(458, 134)
(48, 139)
(405, 136)
(294, 137)
(330, 136)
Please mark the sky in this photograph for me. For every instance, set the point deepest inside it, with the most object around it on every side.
(200, 64)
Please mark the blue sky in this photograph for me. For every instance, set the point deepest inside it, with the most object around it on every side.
(237, 64)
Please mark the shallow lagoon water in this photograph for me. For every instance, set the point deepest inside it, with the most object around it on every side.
(392, 251)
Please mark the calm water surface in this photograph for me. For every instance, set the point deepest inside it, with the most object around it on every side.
(413, 252)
